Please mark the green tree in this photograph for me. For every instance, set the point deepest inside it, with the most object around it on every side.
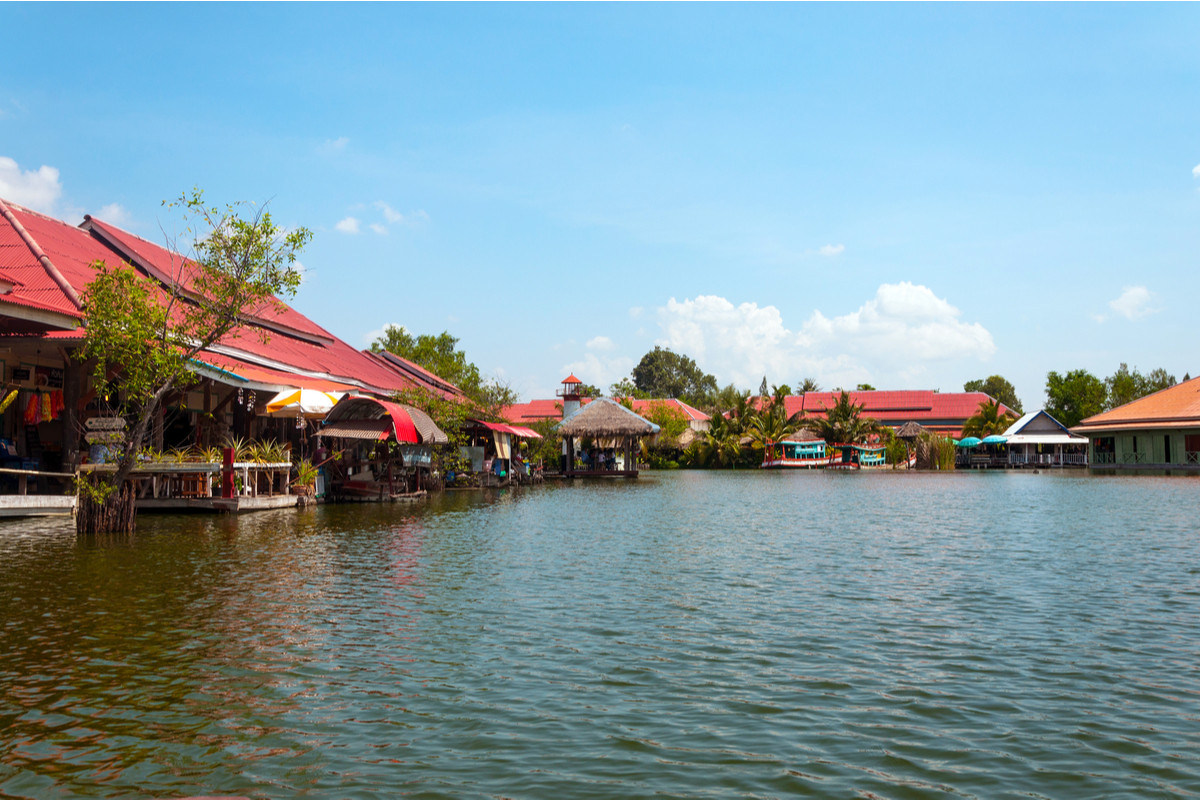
(770, 422)
(988, 420)
(141, 336)
(865, 387)
(808, 385)
(844, 423)
(438, 354)
(1125, 386)
(441, 356)
(663, 373)
(587, 390)
(997, 387)
(1074, 396)
(626, 388)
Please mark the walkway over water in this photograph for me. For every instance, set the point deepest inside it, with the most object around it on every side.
(716, 635)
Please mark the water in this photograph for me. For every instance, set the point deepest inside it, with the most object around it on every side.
(708, 635)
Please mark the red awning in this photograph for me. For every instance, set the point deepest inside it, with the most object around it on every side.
(515, 430)
(409, 425)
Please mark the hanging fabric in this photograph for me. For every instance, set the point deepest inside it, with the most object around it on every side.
(8, 400)
(46, 416)
(33, 410)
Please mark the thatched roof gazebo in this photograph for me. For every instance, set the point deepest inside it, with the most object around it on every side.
(605, 418)
(910, 430)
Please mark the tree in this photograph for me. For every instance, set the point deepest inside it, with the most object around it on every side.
(140, 335)
(587, 390)
(988, 420)
(438, 354)
(1124, 386)
(865, 387)
(997, 387)
(1075, 396)
(441, 356)
(844, 423)
(663, 373)
(808, 385)
(626, 388)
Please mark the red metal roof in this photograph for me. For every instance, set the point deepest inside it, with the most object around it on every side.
(295, 343)
(69, 249)
(533, 410)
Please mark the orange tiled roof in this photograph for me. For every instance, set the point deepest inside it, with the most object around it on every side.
(1175, 406)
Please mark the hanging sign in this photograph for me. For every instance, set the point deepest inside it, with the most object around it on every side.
(105, 424)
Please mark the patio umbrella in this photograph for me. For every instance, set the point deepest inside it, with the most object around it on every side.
(311, 403)
(995, 438)
(969, 441)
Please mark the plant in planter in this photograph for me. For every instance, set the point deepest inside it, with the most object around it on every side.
(306, 478)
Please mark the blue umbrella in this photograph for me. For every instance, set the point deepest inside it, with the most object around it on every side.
(970, 441)
(995, 438)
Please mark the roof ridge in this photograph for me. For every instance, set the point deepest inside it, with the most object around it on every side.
(41, 256)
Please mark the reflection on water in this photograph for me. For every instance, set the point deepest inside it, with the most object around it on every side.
(690, 634)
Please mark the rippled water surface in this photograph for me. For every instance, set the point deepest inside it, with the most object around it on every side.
(686, 635)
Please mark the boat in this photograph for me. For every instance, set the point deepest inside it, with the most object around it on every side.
(789, 454)
(816, 454)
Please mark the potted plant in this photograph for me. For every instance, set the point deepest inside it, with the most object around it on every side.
(306, 478)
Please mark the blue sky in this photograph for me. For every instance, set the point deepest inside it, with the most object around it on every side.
(907, 195)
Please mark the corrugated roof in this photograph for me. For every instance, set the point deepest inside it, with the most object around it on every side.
(1171, 407)
(295, 344)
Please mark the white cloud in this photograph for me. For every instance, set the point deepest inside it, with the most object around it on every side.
(1134, 303)
(1196, 171)
(832, 249)
(114, 213)
(389, 213)
(600, 343)
(893, 337)
(636, 312)
(370, 336)
(337, 144)
(380, 229)
(37, 189)
(348, 225)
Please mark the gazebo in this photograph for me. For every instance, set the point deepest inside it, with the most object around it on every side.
(605, 419)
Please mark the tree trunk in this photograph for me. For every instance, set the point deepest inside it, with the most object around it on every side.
(115, 514)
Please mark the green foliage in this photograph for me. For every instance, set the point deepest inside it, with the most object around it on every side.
(441, 356)
(140, 337)
(997, 387)
(865, 387)
(306, 473)
(808, 385)
(844, 423)
(988, 420)
(627, 388)
(547, 450)
(1125, 386)
(666, 374)
(1075, 396)
(587, 390)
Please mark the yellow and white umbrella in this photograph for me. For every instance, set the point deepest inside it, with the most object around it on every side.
(311, 403)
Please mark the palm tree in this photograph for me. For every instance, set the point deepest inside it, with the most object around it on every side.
(988, 420)
(844, 423)
(772, 422)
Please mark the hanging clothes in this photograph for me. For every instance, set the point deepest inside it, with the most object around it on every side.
(33, 409)
(8, 400)
(46, 414)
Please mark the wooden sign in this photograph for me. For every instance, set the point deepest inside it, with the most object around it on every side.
(105, 424)
(104, 437)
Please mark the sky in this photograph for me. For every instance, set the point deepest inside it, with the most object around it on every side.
(910, 196)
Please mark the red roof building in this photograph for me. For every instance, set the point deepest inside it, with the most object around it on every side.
(1160, 431)
(48, 261)
(943, 412)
